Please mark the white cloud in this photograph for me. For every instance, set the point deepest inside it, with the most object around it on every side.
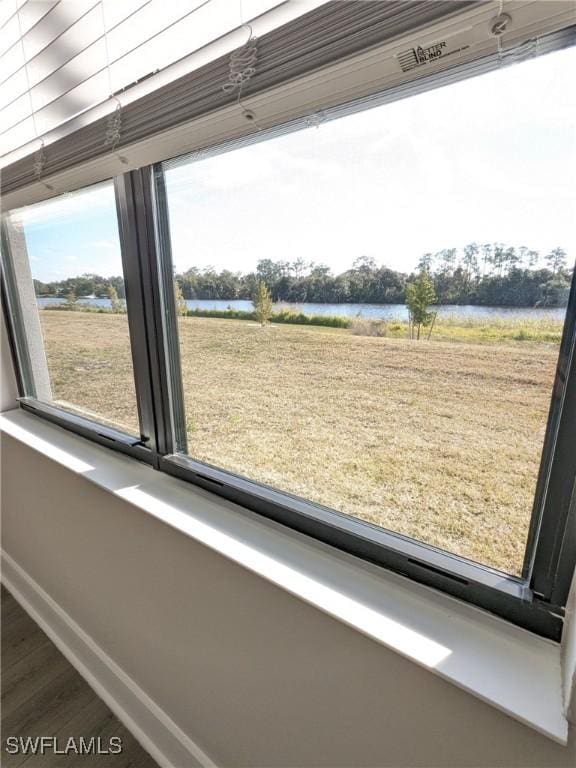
(65, 207)
(480, 160)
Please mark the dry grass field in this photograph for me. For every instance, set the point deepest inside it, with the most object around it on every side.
(439, 440)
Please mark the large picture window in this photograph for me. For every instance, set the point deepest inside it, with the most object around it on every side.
(360, 324)
(371, 321)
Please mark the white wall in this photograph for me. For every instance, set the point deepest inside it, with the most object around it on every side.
(255, 676)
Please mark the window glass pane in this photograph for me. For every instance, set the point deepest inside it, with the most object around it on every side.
(417, 258)
(67, 270)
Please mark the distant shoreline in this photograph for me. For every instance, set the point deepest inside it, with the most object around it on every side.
(222, 304)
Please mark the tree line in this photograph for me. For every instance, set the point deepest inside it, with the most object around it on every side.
(83, 285)
(490, 274)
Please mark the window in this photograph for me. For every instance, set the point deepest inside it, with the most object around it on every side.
(363, 329)
(68, 285)
(336, 400)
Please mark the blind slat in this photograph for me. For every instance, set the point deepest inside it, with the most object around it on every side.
(65, 59)
(29, 17)
(333, 30)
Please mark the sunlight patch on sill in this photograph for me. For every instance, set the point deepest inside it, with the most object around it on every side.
(415, 645)
(50, 450)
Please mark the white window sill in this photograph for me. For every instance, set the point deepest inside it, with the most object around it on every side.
(505, 666)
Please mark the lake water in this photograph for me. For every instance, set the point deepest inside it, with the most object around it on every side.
(384, 311)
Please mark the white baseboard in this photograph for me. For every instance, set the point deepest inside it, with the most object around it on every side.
(149, 724)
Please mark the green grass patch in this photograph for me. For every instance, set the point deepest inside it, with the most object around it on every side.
(498, 328)
(90, 308)
(471, 329)
(453, 327)
(284, 316)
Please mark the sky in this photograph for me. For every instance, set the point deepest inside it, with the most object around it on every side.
(491, 159)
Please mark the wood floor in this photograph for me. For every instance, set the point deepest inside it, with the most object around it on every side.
(43, 695)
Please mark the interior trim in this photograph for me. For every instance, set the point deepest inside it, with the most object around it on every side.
(144, 718)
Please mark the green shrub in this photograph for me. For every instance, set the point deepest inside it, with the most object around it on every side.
(90, 308)
(299, 318)
(225, 314)
(116, 306)
(420, 294)
(262, 302)
(283, 316)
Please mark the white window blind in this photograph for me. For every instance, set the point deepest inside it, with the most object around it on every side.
(333, 55)
(59, 59)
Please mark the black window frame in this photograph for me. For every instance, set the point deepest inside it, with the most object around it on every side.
(535, 600)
